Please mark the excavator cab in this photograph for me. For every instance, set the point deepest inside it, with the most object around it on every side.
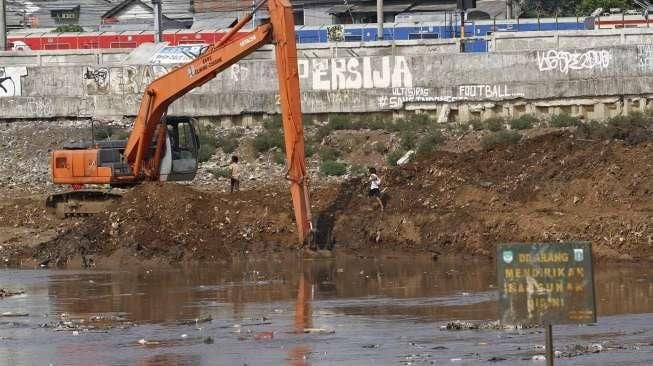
(182, 148)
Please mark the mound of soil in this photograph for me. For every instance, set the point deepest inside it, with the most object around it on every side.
(548, 188)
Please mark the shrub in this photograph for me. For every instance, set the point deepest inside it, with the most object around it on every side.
(333, 168)
(408, 139)
(633, 129)
(380, 148)
(503, 137)
(494, 124)
(563, 120)
(477, 124)
(393, 156)
(273, 123)
(419, 121)
(268, 140)
(523, 122)
(220, 172)
(309, 150)
(430, 142)
(307, 121)
(357, 170)
(208, 144)
(340, 122)
(279, 157)
(228, 143)
(69, 28)
(329, 153)
(109, 133)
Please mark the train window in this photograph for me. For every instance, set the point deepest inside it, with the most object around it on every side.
(353, 38)
(423, 36)
(56, 46)
(123, 45)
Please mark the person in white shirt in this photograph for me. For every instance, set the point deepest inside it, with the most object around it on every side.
(375, 187)
(234, 173)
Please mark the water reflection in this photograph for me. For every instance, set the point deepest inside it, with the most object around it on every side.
(298, 355)
(288, 296)
(162, 296)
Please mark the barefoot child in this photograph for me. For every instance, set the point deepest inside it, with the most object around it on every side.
(375, 187)
(234, 173)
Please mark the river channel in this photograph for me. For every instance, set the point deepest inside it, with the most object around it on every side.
(341, 311)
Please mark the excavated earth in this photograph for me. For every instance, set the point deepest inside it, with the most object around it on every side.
(549, 187)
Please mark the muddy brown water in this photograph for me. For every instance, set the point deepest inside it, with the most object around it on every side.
(359, 312)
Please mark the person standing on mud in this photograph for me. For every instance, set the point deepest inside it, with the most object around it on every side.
(234, 174)
(375, 186)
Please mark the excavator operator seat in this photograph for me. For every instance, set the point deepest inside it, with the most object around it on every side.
(182, 147)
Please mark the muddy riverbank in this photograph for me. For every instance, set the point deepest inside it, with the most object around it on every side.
(549, 187)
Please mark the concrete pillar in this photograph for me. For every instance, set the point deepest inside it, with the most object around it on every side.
(443, 116)
(600, 111)
(158, 34)
(3, 26)
(464, 113)
(379, 19)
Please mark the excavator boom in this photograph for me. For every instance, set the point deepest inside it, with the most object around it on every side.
(154, 150)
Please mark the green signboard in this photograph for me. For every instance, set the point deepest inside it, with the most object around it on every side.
(546, 283)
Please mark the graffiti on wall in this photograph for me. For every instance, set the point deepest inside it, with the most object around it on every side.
(481, 92)
(178, 54)
(356, 73)
(645, 57)
(120, 80)
(563, 61)
(10, 82)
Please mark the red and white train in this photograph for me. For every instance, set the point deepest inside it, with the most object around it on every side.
(106, 40)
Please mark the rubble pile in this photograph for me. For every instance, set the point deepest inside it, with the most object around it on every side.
(549, 187)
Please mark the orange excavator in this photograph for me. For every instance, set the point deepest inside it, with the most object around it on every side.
(165, 148)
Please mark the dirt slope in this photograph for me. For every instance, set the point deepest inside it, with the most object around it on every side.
(550, 187)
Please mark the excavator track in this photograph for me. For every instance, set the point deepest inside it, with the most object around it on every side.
(80, 203)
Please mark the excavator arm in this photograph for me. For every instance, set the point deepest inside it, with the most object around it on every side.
(147, 146)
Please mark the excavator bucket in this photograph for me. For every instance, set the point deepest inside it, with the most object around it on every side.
(80, 203)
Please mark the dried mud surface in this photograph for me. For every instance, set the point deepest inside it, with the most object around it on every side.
(550, 187)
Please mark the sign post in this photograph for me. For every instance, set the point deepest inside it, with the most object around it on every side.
(546, 284)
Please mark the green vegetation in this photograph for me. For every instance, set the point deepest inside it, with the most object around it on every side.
(503, 137)
(380, 148)
(546, 8)
(563, 120)
(523, 122)
(633, 129)
(477, 124)
(279, 157)
(220, 172)
(328, 153)
(69, 28)
(494, 124)
(208, 144)
(357, 170)
(268, 140)
(228, 143)
(109, 133)
(393, 156)
(430, 142)
(333, 168)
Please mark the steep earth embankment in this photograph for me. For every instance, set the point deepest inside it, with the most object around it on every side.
(549, 187)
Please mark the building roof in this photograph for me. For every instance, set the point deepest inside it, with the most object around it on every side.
(90, 12)
(370, 8)
(173, 9)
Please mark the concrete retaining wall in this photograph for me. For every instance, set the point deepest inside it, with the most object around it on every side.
(593, 82)
(505, 41)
